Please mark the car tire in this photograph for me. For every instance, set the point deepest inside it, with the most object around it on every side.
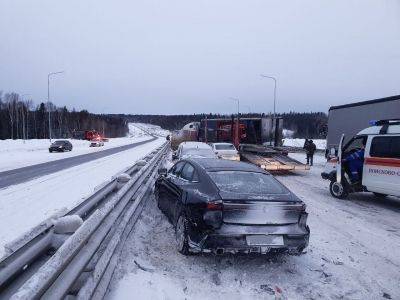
(51, 151)
(181, 235)
(379, 195)
(337, 190)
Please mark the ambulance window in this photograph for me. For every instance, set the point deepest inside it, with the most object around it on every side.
(395, 147)
(385, 147)
(356, 143)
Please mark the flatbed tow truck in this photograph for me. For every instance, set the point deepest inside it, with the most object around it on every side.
(259, 140)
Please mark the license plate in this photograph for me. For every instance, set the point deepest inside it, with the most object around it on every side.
(264, 240)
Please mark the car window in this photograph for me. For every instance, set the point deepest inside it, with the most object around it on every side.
(187, 172)
(357, 143)
(247, 183)
(387, 146)
(207, 153)
(176, 169)
(225, 147)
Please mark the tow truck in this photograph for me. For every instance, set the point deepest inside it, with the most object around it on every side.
(381, 167)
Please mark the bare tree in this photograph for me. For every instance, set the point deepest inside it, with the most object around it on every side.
(11, 103)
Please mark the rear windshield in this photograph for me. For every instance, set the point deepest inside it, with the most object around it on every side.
(59, 142)
(247, 183)
(199, 152)
(225, 147)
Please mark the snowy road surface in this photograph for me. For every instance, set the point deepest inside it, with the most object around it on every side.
(353, 254)
(23, 206)
(16, 176)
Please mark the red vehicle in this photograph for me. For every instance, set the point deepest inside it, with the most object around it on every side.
(86, 135)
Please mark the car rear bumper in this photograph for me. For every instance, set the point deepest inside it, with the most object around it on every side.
(329, 176)
(235, 239)
(57, 149)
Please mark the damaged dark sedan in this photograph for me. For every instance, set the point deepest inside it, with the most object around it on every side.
(223, 206)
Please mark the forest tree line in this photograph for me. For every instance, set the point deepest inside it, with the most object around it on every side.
(22, 119)
(304, 125)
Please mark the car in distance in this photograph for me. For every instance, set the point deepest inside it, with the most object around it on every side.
(225, 151)
(195, 150)
(60, 146)
(96, 143)
(223, 206)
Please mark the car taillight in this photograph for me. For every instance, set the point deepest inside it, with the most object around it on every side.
(303, 219)
(214, 205)
(213, 214)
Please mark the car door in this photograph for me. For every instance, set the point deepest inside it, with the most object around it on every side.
(170, 188)
(186, 181)
(381, 172)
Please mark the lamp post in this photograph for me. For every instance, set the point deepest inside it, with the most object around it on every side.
(274, 79)
(48, 98)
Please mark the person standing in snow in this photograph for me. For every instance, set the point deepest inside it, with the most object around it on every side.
(305, 148)
(310, 150)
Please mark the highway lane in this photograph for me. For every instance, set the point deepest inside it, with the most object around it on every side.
(20, 175)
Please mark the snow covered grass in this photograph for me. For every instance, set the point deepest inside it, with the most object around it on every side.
(321, 144)
(352, 254)
(25, 205)
(18, 153)
(153, 129)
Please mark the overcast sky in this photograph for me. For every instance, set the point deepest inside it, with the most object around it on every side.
(167, 57)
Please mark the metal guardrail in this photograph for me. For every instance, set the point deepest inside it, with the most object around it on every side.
(83, 265)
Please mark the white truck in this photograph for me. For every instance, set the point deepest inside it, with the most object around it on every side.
(381, 165)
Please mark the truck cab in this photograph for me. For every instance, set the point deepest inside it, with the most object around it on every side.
(380, 173)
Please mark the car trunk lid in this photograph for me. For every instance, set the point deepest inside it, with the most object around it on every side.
(261, 212)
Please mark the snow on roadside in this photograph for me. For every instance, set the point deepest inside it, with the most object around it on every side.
(17, 153)
(25, 205)
(352, 254)
(320, 143)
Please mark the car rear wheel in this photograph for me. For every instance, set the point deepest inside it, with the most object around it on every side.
(337, 190)
(181, 235)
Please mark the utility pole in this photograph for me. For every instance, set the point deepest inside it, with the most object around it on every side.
(48, 98)
(274, 79)
(237, 139)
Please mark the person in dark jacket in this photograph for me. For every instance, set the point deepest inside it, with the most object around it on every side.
(355, 162)
(305, 148)
(310, 150)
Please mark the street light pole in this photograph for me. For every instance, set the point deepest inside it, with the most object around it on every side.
(48, 98)
(274, 79)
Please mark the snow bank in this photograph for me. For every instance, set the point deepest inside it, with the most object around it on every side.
(25, 205)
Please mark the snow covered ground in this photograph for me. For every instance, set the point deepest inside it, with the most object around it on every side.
(25, 205)
(152, 129)
(320, 143)
(17, 153)
(353, 254)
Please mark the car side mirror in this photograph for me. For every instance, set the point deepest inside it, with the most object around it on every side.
(174, 155)
(162, 172)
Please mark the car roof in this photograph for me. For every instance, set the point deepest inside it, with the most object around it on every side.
(222, 144)
(214, 164)
(195, 145)
(392, 129)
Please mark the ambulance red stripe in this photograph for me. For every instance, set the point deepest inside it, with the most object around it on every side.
(380, 161)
